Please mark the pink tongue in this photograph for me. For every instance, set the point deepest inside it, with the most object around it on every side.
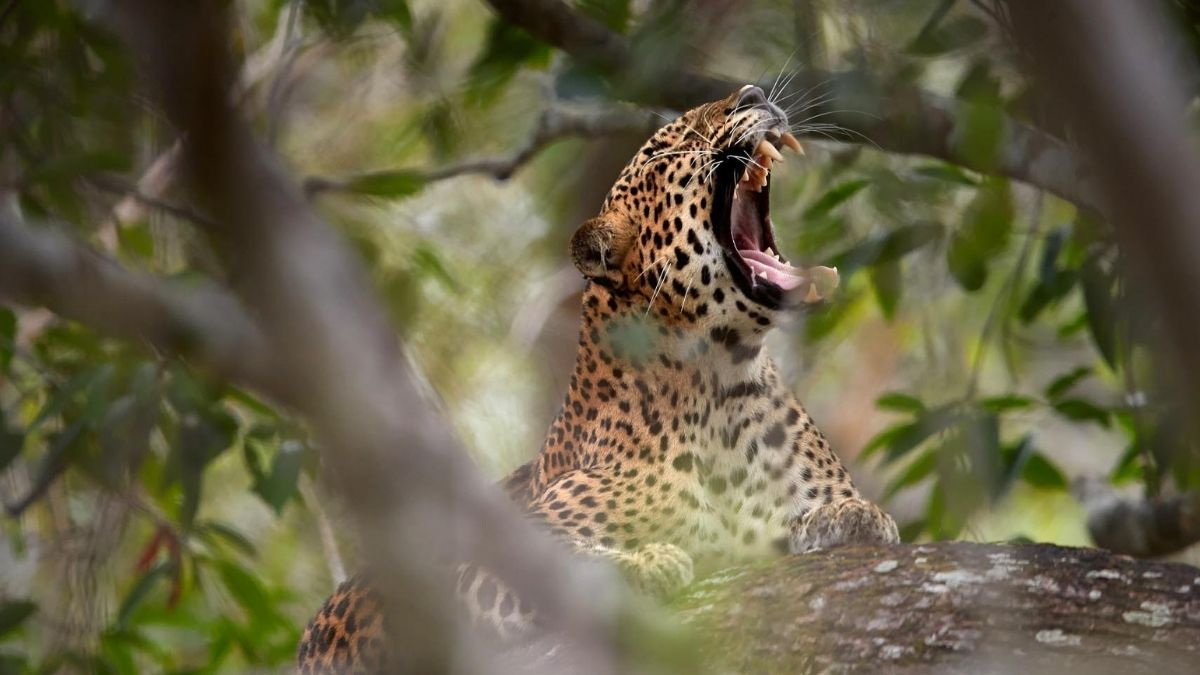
(779, 273)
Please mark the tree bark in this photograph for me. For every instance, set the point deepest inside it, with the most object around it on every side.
(950, 607)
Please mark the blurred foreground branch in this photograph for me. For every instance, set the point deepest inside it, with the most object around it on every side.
(1106, 66)
(405, 479)
(39, 267)
(894, 117)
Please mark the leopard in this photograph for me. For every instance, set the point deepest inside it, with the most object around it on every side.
(679, 447)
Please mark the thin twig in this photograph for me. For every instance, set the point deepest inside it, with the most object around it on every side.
(329, 545)
(554, 124)
(131, 192)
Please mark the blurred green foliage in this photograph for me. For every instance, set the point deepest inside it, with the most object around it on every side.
(155, 516)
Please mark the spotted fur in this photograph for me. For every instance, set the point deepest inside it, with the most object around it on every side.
(678, 447)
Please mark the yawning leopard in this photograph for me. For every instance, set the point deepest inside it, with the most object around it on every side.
(678, 447)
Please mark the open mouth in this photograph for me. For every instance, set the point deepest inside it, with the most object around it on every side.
(741, 217)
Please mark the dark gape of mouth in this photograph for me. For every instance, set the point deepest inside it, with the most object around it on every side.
(741, 218)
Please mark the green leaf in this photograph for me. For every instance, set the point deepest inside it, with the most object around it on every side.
(1000, 404)
(1083, 411)
(277, 487)
(13, 613)
(901, 439)
(136, 240)
(917, 470)
(252, 402)
(1063, 383)
(427, 262)
(390, 184)
(833, 198)
(1101, 309)
(8, 335)
(1045, 293)
(507, 50)
(339, 18)
(965, 263)
(1128, 468)
(614, 14)
(64, 167)
(980, 84)
(1053, 283)
(890, 247)
(939, 35)
(203, 435)
(1013, 458)
(247, 590)
(982, 237)
(141, 591)
(948, 173)
(65, 394)
(913, 529)
(11, 443)
(981, 134)
(957, 33)
(885, 279)
(980, 435)
(900, 402)
(218, 530)
(1041, 472)
(398, 12)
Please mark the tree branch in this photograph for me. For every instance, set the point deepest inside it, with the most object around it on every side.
(945, 607)
(132, 194)
(39, 267)
(555, 123)
(891, 116)
(1105, 65)
(403, 475)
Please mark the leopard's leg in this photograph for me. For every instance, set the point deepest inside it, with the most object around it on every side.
(575, 507)
(830, 511)
(492, 605)
(657, 569)
(848, 521)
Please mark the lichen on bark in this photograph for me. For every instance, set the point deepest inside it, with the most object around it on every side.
(949, 607)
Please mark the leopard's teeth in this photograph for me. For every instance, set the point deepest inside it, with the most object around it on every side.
(790, 141)
(768, 150)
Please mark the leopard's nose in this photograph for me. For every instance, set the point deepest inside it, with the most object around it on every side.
(750, 96)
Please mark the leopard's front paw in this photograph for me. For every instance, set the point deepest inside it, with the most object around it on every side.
(659, 569)
(850, 521)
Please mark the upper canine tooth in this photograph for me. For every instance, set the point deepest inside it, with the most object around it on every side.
(791, 142)
(769, 150)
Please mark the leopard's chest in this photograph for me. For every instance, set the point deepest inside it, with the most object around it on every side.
(738, 486)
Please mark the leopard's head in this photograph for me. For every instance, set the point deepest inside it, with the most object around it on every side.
(686, 232)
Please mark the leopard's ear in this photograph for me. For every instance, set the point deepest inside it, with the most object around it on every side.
(599, 247)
